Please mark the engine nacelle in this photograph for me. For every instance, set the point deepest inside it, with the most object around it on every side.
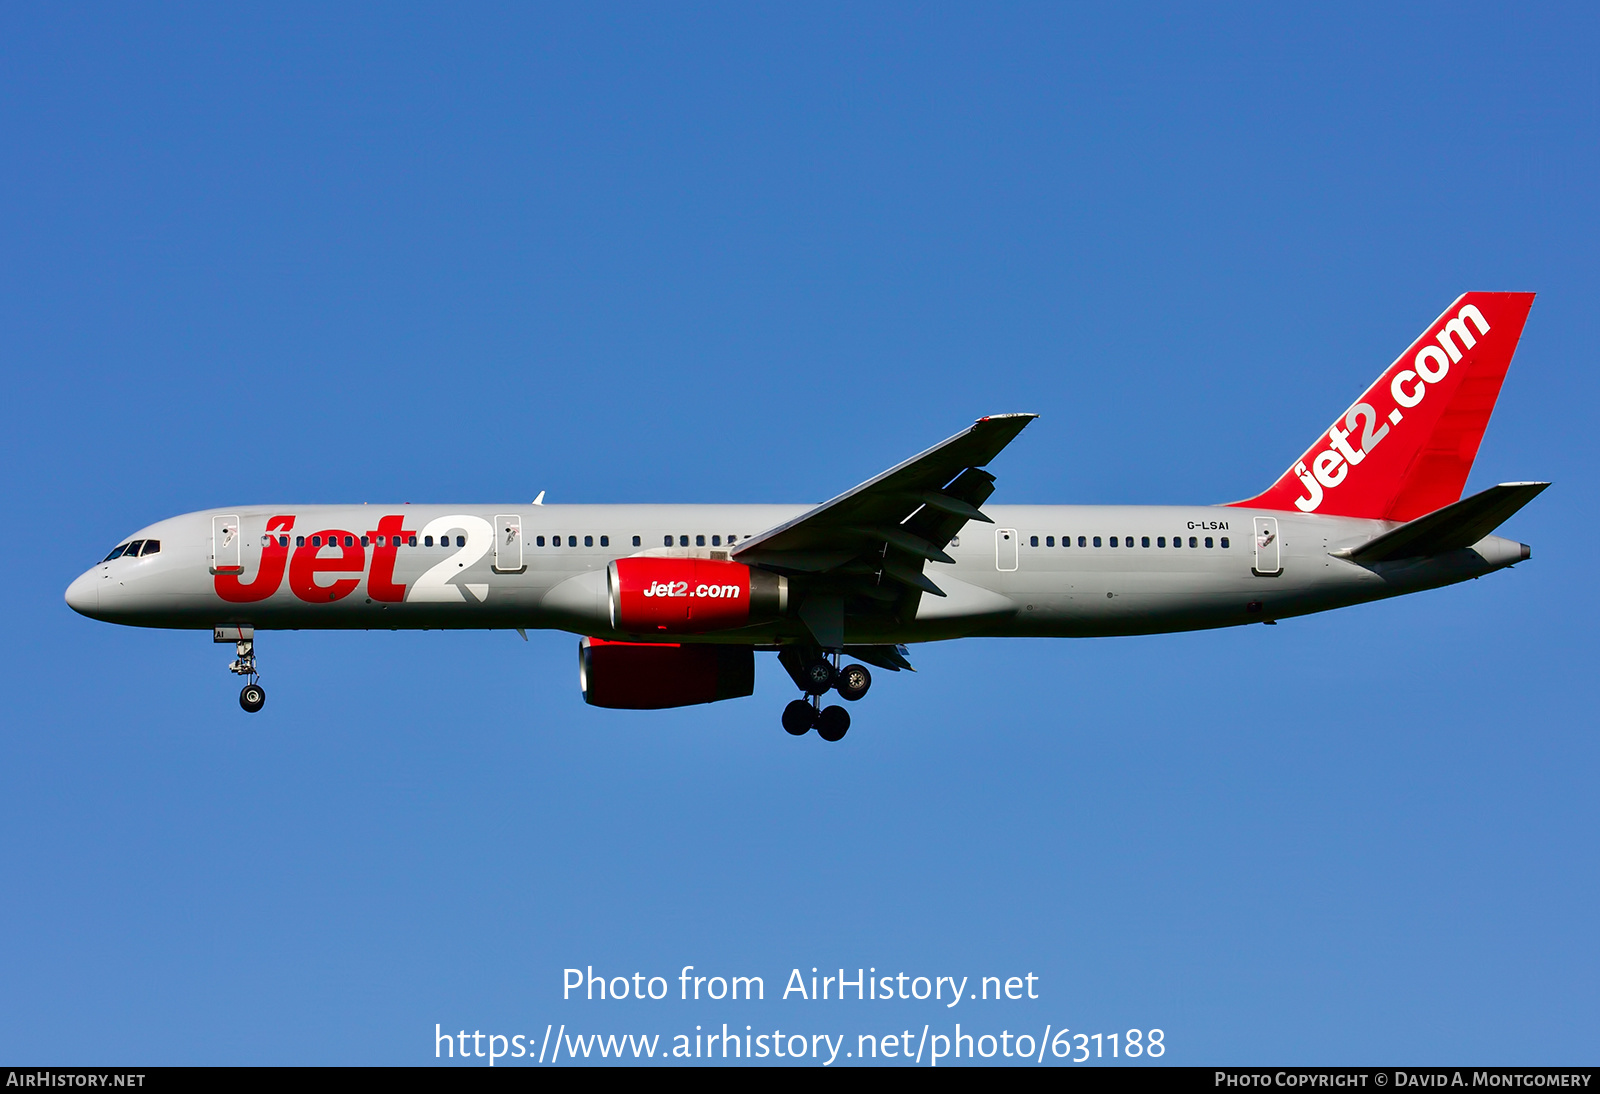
(691, 595)
(652, 676)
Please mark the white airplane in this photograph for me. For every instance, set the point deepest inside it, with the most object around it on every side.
(673, 601)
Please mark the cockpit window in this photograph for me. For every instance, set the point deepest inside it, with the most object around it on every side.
(151, 546)
(133, 549)
(115, 554)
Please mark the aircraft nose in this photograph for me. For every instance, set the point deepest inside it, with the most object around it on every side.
(83, 595)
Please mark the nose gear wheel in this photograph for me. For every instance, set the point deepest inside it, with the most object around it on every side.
(252, 697)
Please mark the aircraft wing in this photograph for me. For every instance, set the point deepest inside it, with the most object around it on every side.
(867, 546)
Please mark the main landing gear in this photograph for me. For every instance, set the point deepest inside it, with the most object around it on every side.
(817, 676)
(252, 697)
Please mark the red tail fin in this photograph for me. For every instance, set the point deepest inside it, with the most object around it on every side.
(1404, 449)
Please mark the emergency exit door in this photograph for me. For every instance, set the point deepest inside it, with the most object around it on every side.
(1005, 548)
(508, 544)
(225, 545)
(1268, 559)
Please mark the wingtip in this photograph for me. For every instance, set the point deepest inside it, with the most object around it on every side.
(1001, 417)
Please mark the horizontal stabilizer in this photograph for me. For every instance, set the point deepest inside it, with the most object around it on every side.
(1459, 524)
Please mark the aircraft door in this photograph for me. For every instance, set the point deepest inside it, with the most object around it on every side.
(225, 545)
(1005, 548)
(508, 544)
(1268, 560)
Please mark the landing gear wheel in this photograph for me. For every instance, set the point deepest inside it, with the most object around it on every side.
(253, 697)
(798, 717)
(833, 723)
(819, 676)
(854, 680)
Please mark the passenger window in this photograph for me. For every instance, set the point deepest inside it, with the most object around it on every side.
(1049, 541)
(316, 541)
(1208, 541)
(588, 541)
(427, 541)
(666, 541)
(364, 542)
(1097, 541)
(266, 541)
(151, 547)
(1144, 541)
(539, 540)
(1082, 542)
(283, 541)
(1161, 541)
(412, 542)
(716, 541)
(683, 541)
(605, 541)
(299, 541)
(636, 542)
(1033, 541)
(572, 541)
(699, 541)
(1193, 542)
(1224, 543)
(350, 541)
(1113, 541)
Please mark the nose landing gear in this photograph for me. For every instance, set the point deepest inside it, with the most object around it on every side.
(252, 697)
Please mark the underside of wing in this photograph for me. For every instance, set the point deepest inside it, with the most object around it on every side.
(863, 552)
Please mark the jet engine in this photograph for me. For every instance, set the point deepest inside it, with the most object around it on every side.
(691, 595)
(652, 676)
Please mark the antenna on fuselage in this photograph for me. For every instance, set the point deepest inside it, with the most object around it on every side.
(540, 499)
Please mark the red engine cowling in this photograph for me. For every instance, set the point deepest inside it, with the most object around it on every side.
(651, 676)
(691, 595)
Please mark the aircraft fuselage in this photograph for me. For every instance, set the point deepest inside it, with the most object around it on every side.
(1039, 570)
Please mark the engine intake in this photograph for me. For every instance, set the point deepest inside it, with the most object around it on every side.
(653, 676)
(691, 595)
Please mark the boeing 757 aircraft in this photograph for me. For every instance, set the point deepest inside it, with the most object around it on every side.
(674, 601)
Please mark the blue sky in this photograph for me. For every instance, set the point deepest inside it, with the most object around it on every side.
(758, 253)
